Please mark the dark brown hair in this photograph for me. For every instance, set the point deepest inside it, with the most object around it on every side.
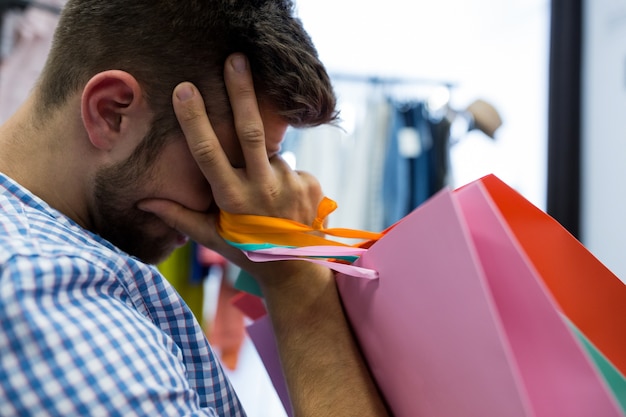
(164, 42)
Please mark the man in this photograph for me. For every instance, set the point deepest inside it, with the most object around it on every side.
(98, 172)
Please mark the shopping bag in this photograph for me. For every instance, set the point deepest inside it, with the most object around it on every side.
(460, 323)
(262, 336)
(588, 293)
(613, 377)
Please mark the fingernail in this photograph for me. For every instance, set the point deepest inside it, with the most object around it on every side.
(184, 92)
(239, 63)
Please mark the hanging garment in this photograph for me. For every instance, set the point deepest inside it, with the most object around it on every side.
(360, 205)
(440, 155)
(408, 172)
(32, 32)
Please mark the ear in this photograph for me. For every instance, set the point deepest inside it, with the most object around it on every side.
(110, 103)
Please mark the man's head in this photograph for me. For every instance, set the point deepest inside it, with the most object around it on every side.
(164, 42)
(158, 44)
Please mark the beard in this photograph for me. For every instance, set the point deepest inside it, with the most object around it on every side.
(116, 217)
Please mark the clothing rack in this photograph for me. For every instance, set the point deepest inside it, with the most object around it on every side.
(436, 92)
(23, 4)
(378, 80)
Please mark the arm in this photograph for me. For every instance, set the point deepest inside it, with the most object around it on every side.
(324, 370)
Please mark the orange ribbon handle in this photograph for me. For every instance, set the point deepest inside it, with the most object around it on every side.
(247, 228)
(324, 209)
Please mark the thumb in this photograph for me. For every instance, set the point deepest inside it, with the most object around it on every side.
(185, 220)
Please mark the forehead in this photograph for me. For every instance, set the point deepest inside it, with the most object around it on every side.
(272, 123)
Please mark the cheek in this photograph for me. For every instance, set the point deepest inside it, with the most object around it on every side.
(230, 144)
(182, 181)
(189, 188)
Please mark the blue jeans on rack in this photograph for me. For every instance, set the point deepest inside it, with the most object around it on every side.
(408, 167)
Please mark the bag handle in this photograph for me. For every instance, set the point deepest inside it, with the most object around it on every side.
(347, 269)
(253, 229)
(265, 238)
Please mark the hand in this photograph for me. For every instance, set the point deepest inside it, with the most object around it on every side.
(265, 186)
(324, 371)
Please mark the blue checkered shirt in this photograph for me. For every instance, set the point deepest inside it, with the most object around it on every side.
(89, 331)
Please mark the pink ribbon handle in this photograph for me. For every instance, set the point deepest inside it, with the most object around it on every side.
(317, 255)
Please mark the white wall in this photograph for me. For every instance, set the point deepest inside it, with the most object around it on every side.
(491, 49)
(603, 228)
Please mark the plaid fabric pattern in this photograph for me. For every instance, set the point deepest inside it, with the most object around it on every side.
(87, 330)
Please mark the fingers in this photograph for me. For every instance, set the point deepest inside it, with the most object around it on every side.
(248, 122)
(203, 142)
(263, 186)
(201, 139)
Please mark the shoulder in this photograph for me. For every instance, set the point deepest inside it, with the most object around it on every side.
(44, 254)
(99, 321)
(35, 236)
(106, 328)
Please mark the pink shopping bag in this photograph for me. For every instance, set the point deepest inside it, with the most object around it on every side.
(587, 292)
(460, 324)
